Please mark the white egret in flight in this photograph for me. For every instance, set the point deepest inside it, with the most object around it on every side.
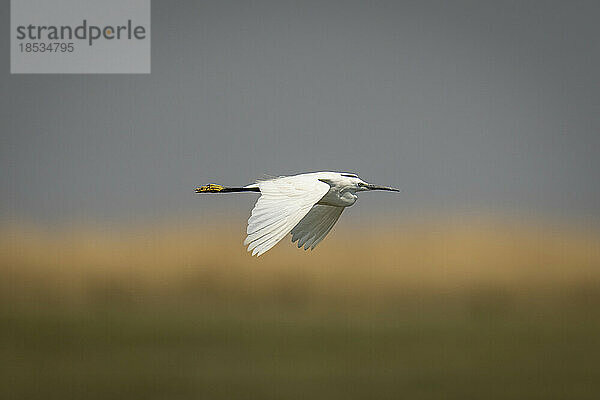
(307, 205)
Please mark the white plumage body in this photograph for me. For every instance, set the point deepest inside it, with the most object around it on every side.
(306, 205)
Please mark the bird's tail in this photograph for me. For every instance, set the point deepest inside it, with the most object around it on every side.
(214, 188)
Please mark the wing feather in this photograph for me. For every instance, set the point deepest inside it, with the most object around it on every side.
(283, 203)
(310, 224)
(320, 237)
(316, 225)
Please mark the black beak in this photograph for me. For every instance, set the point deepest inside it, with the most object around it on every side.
(377, 187)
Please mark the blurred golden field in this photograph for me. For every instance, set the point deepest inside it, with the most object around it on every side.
(370, 269)
(455, 308)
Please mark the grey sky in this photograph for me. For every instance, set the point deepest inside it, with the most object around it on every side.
(466, 105)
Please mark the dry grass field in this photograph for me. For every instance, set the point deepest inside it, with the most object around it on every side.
(455, 310)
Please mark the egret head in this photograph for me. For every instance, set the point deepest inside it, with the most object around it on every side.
(362, 186)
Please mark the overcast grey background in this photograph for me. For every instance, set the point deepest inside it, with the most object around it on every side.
(467, 105)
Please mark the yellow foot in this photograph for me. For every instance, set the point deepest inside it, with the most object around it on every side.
(210, 188)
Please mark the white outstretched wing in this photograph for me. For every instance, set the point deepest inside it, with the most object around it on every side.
(316, 225)
(283, 203)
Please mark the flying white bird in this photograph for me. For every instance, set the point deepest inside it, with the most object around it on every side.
(307, 205)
